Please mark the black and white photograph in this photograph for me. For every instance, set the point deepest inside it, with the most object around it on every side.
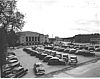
(49, 38)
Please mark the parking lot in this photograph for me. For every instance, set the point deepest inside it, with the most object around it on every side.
(28, 61)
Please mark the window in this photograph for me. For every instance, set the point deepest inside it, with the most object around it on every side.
(29, 38)
(35, 38)
(26, 38)
(32, 38)
(38, 38)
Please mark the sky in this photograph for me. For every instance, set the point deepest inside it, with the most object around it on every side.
(62, 18)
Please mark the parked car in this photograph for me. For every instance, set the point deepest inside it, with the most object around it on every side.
(97, 49)
(41, 57)
(19, 71)
(53, 61)
(66, 50)
(81, 52)
(17, 64)
(39, 69)
(65, 57)
(12, 61)
(61, 62)
(53, 53)
(33, 53)
(11, 58)
(59, 55)
(46, 59)
(73, 60)
(91, 49)
(56, 61)
(16, 72)
(9, 76)
(72, 51)
(60, 49)
(11, 53)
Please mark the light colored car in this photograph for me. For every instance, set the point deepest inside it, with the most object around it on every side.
(73, 60)
(39, 68)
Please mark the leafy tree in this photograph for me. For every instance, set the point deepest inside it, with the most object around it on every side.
(12, 38)
(10, 20)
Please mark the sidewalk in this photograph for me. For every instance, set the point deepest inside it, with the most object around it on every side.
(90, 70)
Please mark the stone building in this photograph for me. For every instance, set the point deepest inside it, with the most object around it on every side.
(32, 38)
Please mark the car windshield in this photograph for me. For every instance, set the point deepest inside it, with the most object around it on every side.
(73, 57)
(39, 65)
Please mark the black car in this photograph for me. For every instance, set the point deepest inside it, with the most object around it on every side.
(60, 49)
(62, 62)
(65, 57)
(39, 69)
(53, 61)
(46, 59)
(85, 53)
(66, 50)
(33, 53)
(11, 53)
(80, 52)
(41, 57)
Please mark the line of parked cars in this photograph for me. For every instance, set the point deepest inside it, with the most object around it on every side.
(75, 49)
(13, 68)
(51, 57)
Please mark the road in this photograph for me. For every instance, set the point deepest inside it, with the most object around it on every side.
(28, 61)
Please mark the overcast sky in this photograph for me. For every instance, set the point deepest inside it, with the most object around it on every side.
(63, 18)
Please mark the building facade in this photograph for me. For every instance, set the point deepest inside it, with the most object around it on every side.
(87, 38)
(32, 38)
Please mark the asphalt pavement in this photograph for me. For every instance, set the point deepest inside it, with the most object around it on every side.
(28, 61)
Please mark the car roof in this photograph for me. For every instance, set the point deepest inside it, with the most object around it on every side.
(73, 56)
(18, 68)
(38, 63)
(54, 58)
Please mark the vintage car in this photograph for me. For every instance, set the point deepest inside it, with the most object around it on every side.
(16, 72)
(9, 76)
(66, 50)
(46, 59)
(42, 56)
(60, 49)
(73, 60)
(65, 57)
(19, 71)
(12, 61)
(11, 58)
(11, 53)
(72, 51)
(39, 69)
(97, 49)
(91, 49)
(53, 61)
(56, 61)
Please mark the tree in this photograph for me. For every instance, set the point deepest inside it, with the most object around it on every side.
(12, 38)
(10, 20)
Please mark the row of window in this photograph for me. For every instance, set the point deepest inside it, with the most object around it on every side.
(32, 38)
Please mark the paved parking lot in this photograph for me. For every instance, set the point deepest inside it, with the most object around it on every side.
(28, 61)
